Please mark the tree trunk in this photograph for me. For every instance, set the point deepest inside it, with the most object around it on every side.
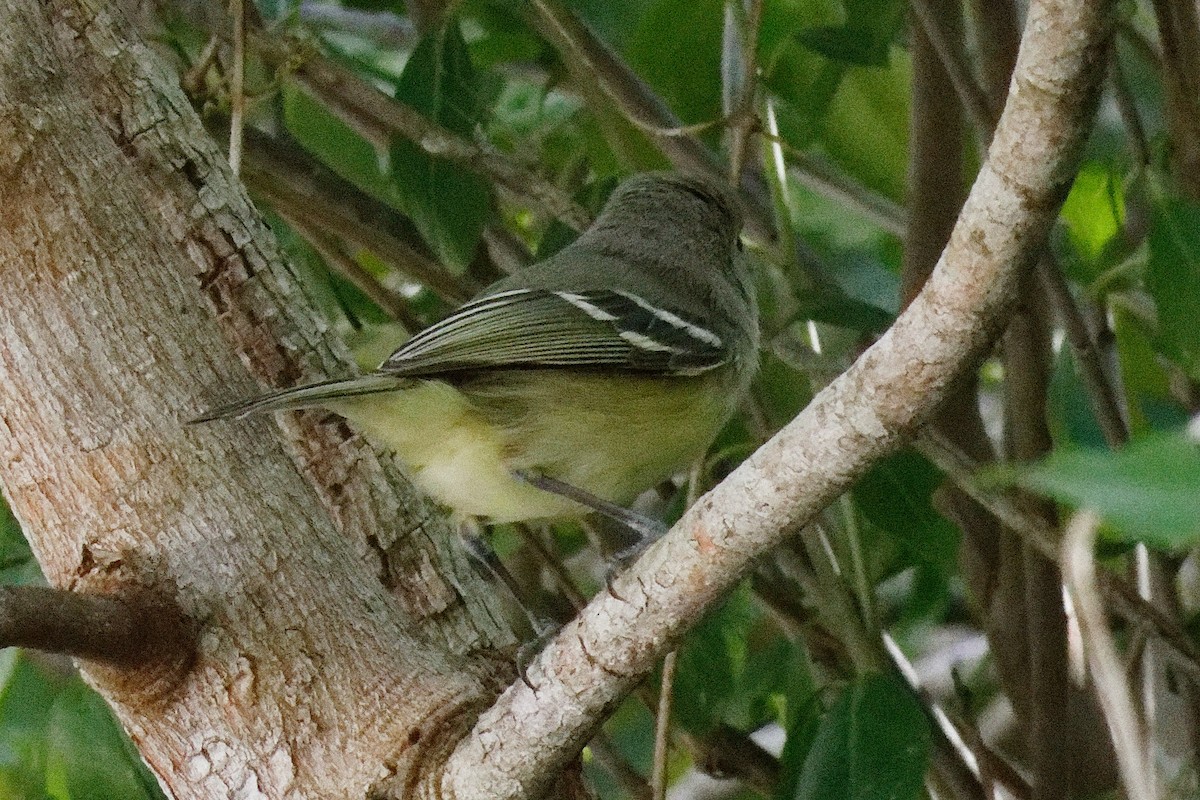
(129, 258)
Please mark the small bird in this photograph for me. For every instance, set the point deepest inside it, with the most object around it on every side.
(603, 369)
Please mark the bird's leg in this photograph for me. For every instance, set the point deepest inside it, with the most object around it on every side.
(647, 530)
(490, 565)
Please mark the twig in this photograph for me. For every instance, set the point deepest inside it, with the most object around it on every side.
(662, 727)
(354, 100)
(777, 179)
(960, 755)
(972, 96)
(1178, 30)
(391, 303)
(1127, 105)
(565, 583)
(616, 766)
(237, 86)
(299, 186)
(595, 62)
(193, 79)
(383, 27)
(961, 469)
(997, 36)
(739, 76)
(1100, 390)
(1104, 664)
(836, 185)
(339, 221)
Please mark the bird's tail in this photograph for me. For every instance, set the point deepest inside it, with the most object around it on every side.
(314, 394)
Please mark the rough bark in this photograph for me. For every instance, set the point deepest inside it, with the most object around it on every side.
(121, 232)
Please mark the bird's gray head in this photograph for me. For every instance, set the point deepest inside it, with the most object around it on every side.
(668, 223)
(655, 204)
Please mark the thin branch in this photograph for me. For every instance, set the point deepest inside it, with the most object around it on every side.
(997, 35)
(950, 51)
(237, 86)
(626, 776)
(776, 176)
(833, 184)
(382, 27)
(1099, 388)
(566, 586)
(357, 102)
(299, 186)
(739, 77)
(395, 305)
(1178, 31)
(662, 727)
(596, 62)
(339, 220)
(829, 598)
(960, 755)
(1104, 664)
(123, 632)
(193, 80)
(1124, 599)
(1139, 142)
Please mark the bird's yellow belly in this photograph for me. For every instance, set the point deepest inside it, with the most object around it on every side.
(611, 436)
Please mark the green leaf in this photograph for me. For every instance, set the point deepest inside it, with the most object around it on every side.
(333, 142)
(849, 45)
(677, 50)
(1144, 379)
(1093, 216)
(449, 204)
(872, 745)
(1173, 279)
(89, 756)
(1150, 491)
(802, 77)
(1070, 413)
(803, 718)
(17, 565)
(26, 696)
(866, 126)
(710, 664)
(897, 496)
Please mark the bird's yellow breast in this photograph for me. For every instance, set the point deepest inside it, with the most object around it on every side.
(613, 436)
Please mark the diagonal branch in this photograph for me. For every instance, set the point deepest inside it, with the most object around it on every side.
(866, 413)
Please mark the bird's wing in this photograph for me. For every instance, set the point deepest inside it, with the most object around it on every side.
(607, 329)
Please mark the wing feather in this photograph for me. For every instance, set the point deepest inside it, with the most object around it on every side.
(540, 328)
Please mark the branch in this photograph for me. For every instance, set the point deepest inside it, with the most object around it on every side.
(1103, 662)
(299, 187)
(145, 256)
(1034, 530)
(1105, 404)
(120, 631)
(379, 117)
(593, 60)
(868, 412)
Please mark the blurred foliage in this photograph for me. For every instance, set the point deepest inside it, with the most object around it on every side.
(836, 76)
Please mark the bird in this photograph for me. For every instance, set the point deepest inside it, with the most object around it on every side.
(597, 372)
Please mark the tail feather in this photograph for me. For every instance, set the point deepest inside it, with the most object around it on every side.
(314, 394)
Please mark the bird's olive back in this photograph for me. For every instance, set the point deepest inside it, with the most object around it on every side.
(671, 239)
